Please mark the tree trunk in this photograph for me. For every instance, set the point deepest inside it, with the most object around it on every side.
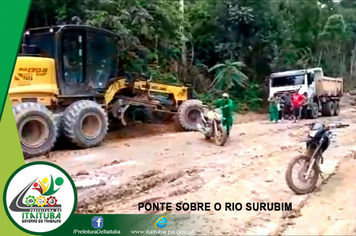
(352, 60)
(320, 55)
(184, 56)
(342, 63)
(156, 51)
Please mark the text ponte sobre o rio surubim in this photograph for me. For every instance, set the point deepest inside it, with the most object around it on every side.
(207, 206)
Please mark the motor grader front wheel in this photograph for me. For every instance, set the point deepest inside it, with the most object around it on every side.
(85, 123)
(189, 114)
(36, 128)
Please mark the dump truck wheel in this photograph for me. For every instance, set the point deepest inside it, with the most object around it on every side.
(189, 114)
(36, 128)
(85, 123)
(313, 112)
(324, 109)
(329, 108)
(337, 108)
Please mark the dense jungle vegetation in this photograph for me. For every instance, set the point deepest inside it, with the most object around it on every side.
(219, 45)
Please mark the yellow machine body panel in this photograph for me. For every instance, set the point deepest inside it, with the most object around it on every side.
(114, 88)
(180, 93)
(34, 79)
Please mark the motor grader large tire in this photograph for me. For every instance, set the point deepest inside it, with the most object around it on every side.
(36, 128)
(177, 126)
(59, 124)
(189, 114)
(85, 124)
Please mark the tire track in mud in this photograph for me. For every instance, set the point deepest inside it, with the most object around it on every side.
(269, 186)
(345, 150)
(98, 197)
(250, 168)
(336, 203)
(288, 218)
(122, 193)
(121, 134)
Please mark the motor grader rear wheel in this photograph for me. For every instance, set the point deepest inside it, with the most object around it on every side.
(189, 114)
(36, 128)
(59, 124)
(85, 124)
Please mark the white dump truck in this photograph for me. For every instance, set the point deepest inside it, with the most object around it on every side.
(324, 93)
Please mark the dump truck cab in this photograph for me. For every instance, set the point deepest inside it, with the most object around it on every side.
(323, 93)
(292, 81)
(64, 61)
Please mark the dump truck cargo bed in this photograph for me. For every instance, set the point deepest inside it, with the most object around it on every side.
(328, 86)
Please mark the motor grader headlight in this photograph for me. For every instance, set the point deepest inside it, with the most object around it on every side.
(210, 115)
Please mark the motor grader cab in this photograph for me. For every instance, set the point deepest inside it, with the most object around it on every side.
(66, 83)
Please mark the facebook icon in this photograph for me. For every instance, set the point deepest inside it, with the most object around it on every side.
(97, 222)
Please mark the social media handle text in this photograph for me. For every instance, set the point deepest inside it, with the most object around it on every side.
(98, 231)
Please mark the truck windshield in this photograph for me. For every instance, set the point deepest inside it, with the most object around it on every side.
(288, 81)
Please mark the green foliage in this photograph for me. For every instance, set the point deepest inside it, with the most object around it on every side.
(267, 36)
(167, 77)
(245, 98)
(252, 97)
(228, 75)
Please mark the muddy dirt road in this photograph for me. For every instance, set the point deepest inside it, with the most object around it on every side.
(176, 167)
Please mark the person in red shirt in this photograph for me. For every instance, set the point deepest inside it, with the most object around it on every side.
(298, 100)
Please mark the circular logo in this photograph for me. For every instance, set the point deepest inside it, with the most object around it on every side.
(39, 197)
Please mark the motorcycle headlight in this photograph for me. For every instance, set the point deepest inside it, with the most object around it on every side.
(312, 133)
(210, 115)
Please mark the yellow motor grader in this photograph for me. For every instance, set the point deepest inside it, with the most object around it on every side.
(66, 82)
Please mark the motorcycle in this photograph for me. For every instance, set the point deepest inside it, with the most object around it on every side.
(211, 125)
(317, 143)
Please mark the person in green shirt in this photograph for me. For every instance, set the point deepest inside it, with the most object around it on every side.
(273, 109)
(226, 105)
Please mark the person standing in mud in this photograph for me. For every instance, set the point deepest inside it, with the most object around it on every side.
(226, 106)
(297, 102)
(273, 108)
(305, 105)
(286, 105)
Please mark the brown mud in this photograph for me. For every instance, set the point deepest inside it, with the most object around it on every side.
(158, 164)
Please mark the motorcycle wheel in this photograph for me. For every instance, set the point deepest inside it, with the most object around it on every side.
(312, 181)
(221, 136)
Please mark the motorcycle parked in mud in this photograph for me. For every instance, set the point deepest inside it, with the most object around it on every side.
(317, 143)
(211, 125)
